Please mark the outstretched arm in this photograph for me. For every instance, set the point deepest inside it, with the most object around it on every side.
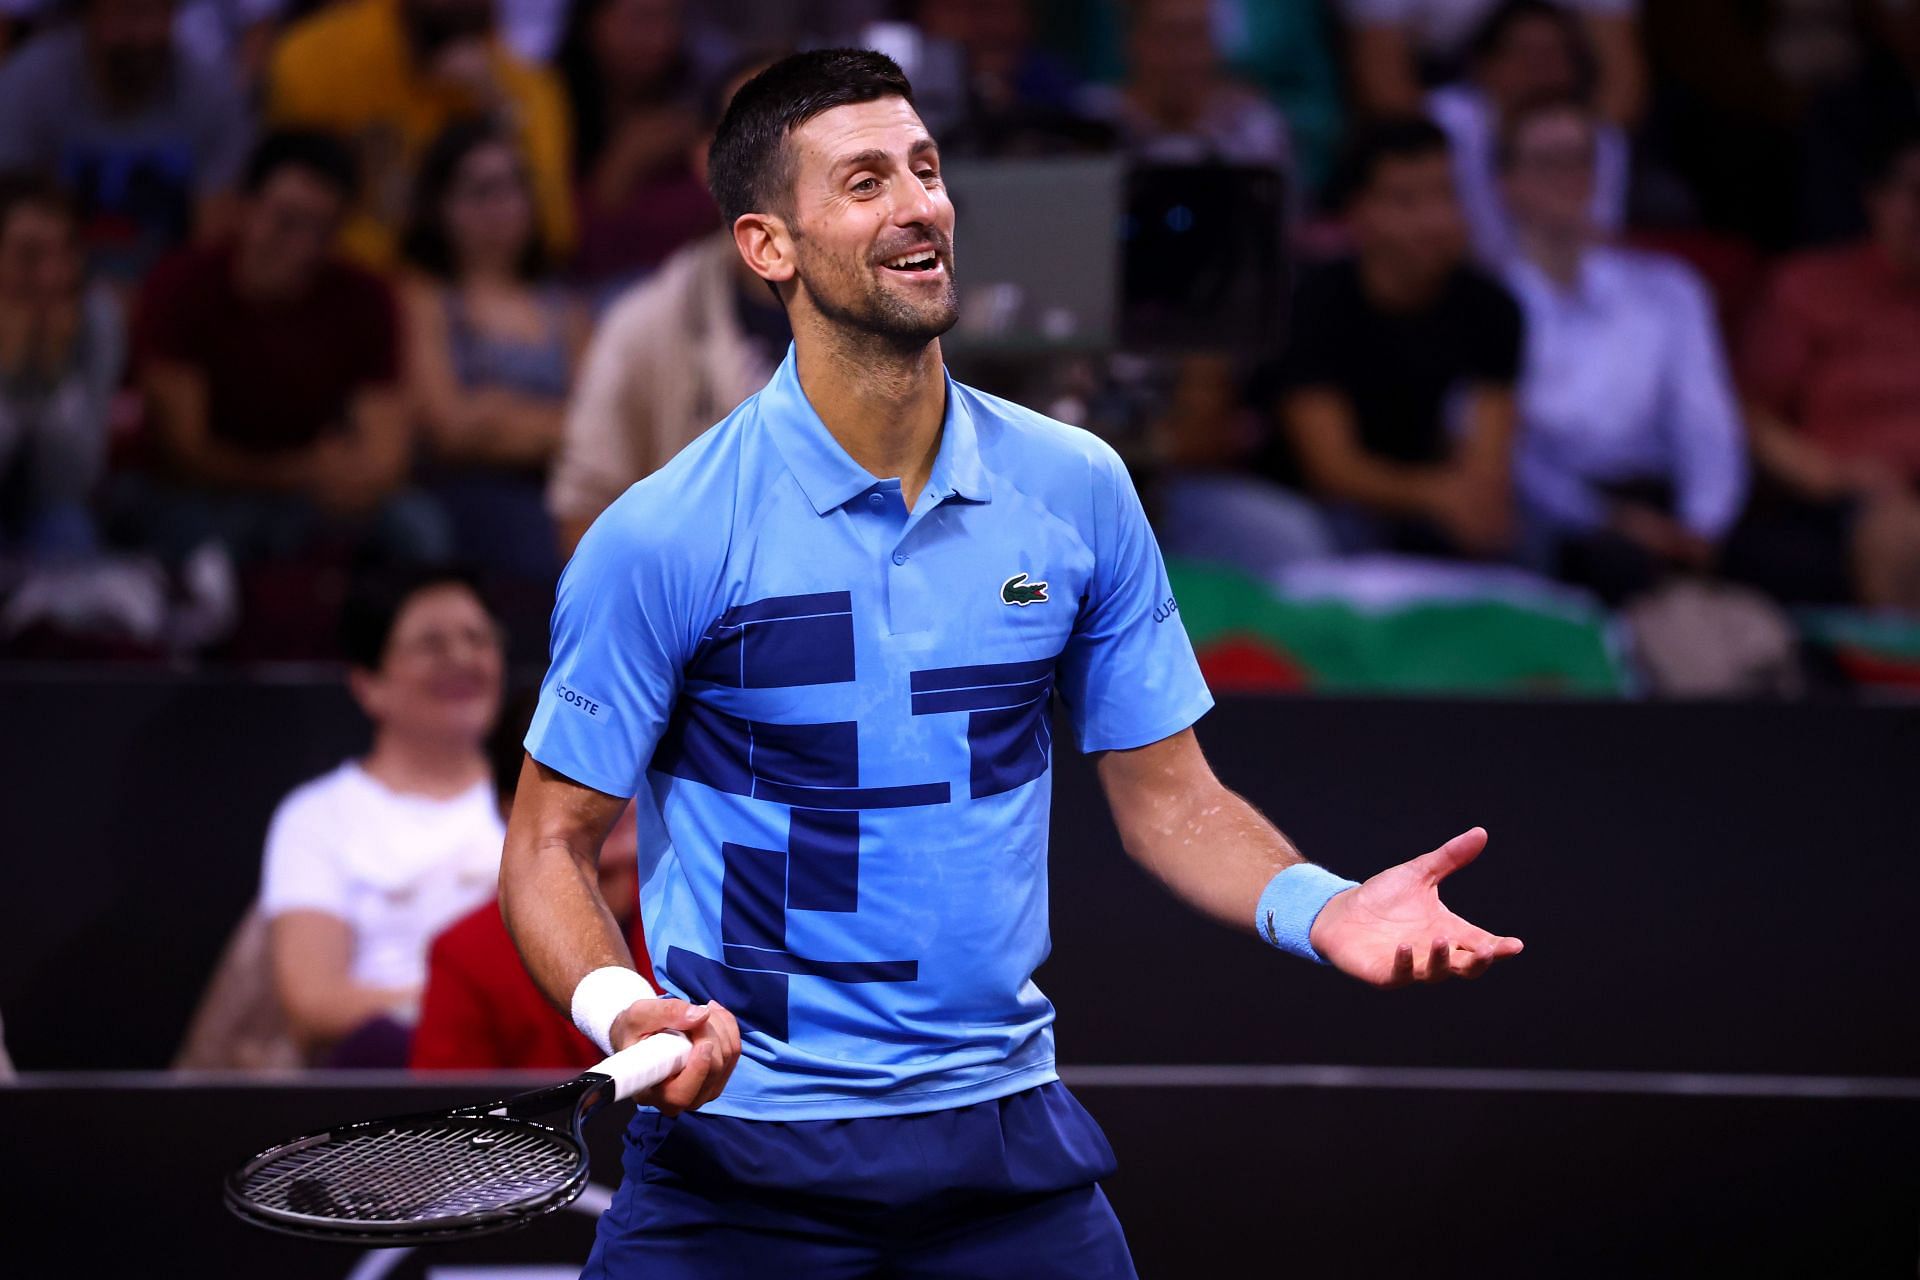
(1219, 853)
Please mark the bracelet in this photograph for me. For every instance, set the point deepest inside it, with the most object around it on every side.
(603, 996)
(1290, 904)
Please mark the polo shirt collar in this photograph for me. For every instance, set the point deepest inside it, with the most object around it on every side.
(830, 477)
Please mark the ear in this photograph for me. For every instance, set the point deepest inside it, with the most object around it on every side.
(366, 688)
(765, 245)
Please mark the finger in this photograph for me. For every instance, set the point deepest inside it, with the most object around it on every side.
(725, 1044)
(728, 1026)
(1451, 856)
(1439, 961)
(1402, 972)
(682, 1091)
(693, 1015)
(1471, 963)
(646, 1017)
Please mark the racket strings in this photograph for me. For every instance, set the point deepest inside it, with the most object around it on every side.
(409, 1175)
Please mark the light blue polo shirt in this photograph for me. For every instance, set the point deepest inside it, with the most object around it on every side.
(837, 716)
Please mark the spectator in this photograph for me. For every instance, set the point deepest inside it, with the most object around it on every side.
(482, 1011)
(492, 346)
(1016, 98)
(1396, 46)
(147, 135)
(674, 355)
(62, 351)
(1767, 114)
(1284, 51)
(365, 864)
(1528, 51)
(271, 373)
(1396, 395)
(1831, 370)
(1177, 105)
(1632, 455)
(391, 75)
(234, 34)
(634, 76)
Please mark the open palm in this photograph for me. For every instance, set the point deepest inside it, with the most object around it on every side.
(1393, 929)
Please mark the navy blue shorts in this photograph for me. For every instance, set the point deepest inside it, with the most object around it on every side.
(1006, 1189)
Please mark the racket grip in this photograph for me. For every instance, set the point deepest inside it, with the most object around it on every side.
(645, 1063)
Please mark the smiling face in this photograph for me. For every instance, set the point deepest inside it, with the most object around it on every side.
(1549, 171)
(868, 235)
(39, 255)
(440, 675)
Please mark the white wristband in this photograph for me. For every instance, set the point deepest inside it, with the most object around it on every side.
(602, 997)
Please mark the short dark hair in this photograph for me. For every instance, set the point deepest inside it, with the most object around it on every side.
(749, 166)
(1498, 25)
(1395, 138)
(376, 599)
(320, 154)
(35, 191)
(425, 241)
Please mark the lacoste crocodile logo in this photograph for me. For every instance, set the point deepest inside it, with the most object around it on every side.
(1017, 590)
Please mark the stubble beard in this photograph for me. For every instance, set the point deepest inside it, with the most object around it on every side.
(857, 302)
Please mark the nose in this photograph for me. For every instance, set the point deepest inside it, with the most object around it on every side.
(914, 205)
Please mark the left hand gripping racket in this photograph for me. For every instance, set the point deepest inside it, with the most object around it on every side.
(440, 1175)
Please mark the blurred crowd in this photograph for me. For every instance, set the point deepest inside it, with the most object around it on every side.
(1586, 292)
(345, 319)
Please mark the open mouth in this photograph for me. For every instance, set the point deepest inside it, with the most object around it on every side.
(920, 261)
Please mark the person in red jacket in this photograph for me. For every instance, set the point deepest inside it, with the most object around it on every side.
(481, 1011)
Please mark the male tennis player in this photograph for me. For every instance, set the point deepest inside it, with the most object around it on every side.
(822, 645)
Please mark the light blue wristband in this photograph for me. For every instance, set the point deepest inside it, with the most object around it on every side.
(1291, 902)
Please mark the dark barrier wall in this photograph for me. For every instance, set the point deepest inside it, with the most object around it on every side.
(1298, 1183)
(1701, 887)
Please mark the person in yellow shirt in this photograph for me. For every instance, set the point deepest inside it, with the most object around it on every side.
(388, 75)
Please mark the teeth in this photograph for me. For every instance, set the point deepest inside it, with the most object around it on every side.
(911, 259)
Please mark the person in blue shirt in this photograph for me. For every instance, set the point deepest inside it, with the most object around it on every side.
(822, 647)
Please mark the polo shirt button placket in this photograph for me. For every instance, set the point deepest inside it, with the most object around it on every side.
(899, 557)
(876, 501)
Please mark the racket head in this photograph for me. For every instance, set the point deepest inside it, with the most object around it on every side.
(411, 1179)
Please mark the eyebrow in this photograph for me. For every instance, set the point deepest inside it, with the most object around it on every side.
(874, 157)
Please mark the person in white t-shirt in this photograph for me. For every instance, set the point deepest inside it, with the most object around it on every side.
(365, 864)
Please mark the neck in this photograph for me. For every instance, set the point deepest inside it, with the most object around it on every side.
(1171, 103)
(480, 274)
(884, 402)
(424, 765)
(250, 282)
(1393, 288)
(1557, 254)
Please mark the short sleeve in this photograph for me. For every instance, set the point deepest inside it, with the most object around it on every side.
(1778, 349)
(302, 870)
(375, 328)
(1128, 674)
(1496, 330)
(168, 318)
(619, 645)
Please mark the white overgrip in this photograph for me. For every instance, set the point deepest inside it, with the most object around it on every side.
(645, 1063)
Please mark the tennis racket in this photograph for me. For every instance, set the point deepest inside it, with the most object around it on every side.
(439, 1175)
